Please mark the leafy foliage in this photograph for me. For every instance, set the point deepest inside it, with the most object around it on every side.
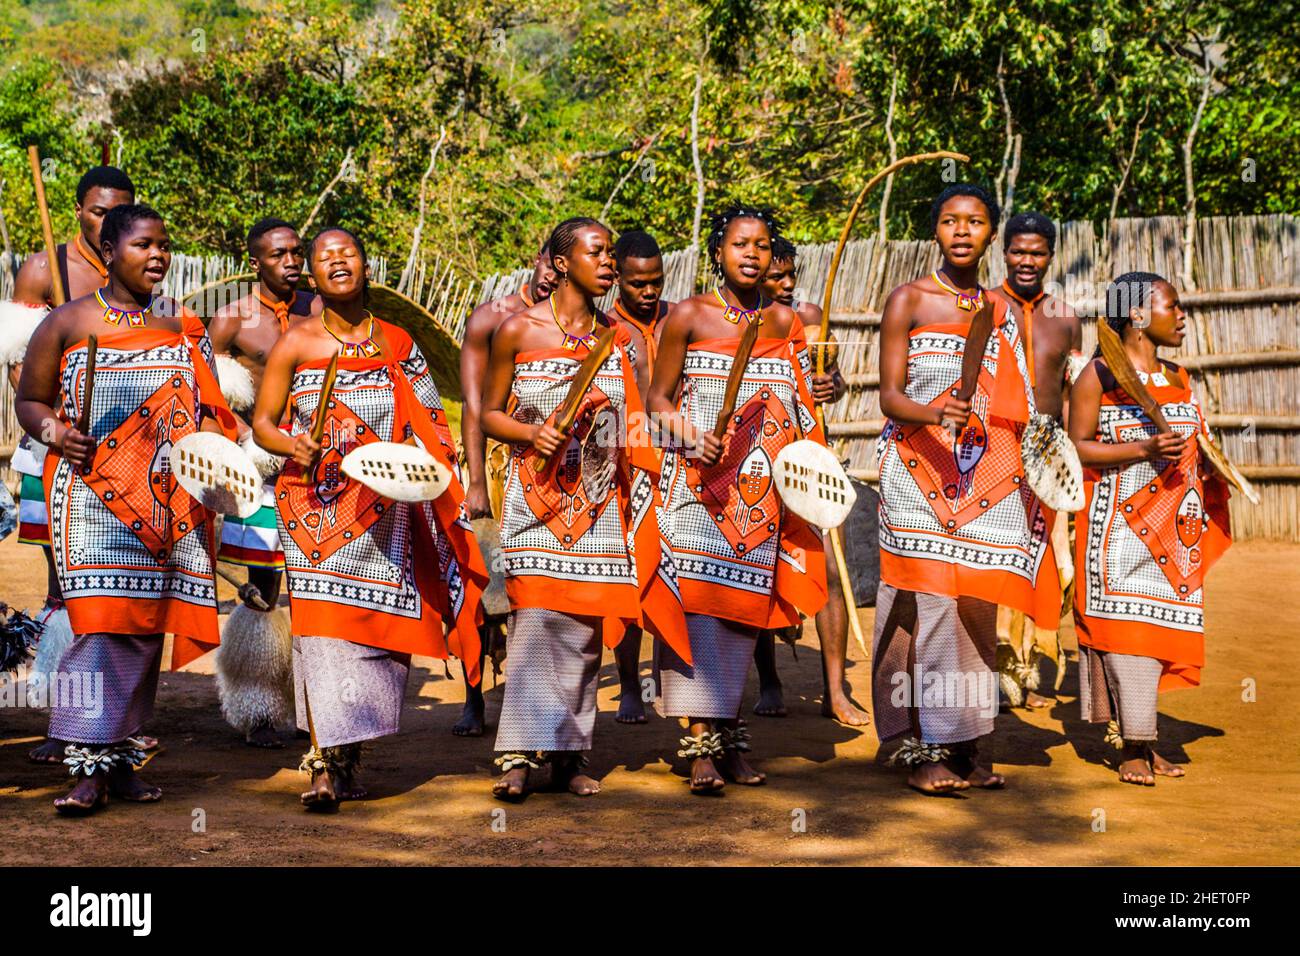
(538, 111)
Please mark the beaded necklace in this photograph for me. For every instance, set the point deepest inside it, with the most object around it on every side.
(965, 300)
(571, 341)
(366, 348)
(734, 313)
(135, 318)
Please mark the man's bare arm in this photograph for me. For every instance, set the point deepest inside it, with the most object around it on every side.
(32, 284)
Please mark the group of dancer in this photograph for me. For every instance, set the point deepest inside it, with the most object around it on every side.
(623, 506)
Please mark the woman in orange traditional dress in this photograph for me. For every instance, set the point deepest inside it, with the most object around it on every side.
(134, 552)
(584, 556)
(1154, 523)
(745, 563)
(371, 580)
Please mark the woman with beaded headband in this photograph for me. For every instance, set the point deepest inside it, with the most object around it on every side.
(744, 562)
(960, 531)
(371, 580)
(1155, 520)
(584, 556)
(133, 550)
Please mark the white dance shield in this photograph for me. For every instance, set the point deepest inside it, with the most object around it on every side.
(812, 483)
(398, 471)
(218, 473)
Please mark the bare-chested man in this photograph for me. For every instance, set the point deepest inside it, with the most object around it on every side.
(254, 664)
(640, 306)
(479, 329)
(82, 272)
(832, 620)
(1053, 335)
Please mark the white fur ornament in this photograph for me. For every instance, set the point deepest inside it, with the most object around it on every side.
(18, 322)
(217, 473)
(398, 471)
(1052, 465)
(236, 384)
(268, 465)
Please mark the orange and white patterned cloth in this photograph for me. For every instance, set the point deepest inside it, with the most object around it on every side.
(1147, 535)
(133, 550)
(361, 567)
(740, 555)
(957, 517)
(581, 537)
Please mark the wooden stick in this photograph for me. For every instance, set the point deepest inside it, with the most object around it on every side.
(249, 593)
(744, 348)
(326, 393)
(88, 392)
(578, 387)
(972, 359)
(836, 546)
(47, 229)
(853, 217)
(1121, 366)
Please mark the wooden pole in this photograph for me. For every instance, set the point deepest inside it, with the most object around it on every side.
(837, 546)
(47, 230)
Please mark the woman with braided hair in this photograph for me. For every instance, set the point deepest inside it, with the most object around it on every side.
(744, 563)
(580, 539)
(1154, 522)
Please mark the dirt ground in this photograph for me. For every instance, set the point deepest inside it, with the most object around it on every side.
(430, 801)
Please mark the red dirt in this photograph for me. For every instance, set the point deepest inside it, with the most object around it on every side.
(430, 801)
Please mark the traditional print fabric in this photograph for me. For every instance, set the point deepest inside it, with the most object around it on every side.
(254, 541)
(129, 665)
(932, 661)
(956, 515)
(552, 671)
(581, 536)
(133, 550)
(362, 567)
(1122, 688)
(711, 687)
(347, 692)
(1149, 533)
(740, 555)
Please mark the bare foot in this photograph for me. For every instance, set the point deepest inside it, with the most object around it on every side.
(935, 778)
(982, 778)
(322, 797)
(733, 766)
(1036, 701)
(705, 777)
(511, 785)
(125, 785)
(145, 742)
(631, 709)
(1164, 768)
(471, 718)
(49, 752)
(583, 785)
(263, 735)
(837, 706)
(1136, 767)
(966, 765)
(87, 795)
(568, 773)
(771, 701)
(349, 788)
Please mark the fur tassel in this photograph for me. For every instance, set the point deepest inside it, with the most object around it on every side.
(267, 464)
(18, 321)
(255, 670)
(55, 639)
(236, 384)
